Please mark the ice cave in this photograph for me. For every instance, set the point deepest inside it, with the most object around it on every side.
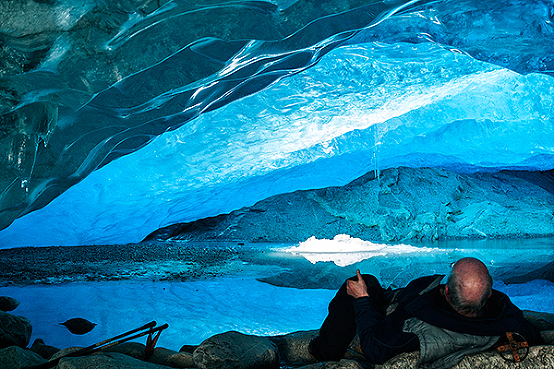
(226, 165)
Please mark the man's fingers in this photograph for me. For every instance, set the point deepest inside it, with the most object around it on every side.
(357, 288)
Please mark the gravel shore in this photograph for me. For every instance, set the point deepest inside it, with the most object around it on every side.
(157, 260)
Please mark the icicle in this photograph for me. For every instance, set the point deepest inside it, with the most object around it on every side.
(376, 167)
(378, 136)
(24, 184)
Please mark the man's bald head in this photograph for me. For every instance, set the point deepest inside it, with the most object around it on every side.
(469, 286)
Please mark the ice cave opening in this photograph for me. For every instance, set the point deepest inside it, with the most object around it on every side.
(226, 165)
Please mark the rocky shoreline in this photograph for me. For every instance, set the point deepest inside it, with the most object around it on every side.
(154, 261)
(230, 350)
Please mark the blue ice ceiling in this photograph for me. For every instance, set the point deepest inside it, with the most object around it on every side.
(119, 119)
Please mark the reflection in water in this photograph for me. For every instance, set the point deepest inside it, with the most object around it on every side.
(226, 290)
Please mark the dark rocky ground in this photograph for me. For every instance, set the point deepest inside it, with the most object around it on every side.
(546, 272)
(161, 261)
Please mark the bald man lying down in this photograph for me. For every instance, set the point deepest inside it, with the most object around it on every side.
(444, 321)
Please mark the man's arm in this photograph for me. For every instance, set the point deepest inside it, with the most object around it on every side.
(379, 340)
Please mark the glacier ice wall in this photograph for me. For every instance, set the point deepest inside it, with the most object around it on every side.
(206, 125)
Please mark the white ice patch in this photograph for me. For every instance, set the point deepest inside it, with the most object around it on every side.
(56, 54)
(68, 13)
(344, 250)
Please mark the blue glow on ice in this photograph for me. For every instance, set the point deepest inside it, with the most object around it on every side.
(362, 107)
(465, 85)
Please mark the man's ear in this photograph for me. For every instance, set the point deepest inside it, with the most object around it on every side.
(446, 290)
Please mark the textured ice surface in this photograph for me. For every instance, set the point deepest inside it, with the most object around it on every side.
(464, 85)
(362, 107)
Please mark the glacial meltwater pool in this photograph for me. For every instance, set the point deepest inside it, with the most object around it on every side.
(261, 289)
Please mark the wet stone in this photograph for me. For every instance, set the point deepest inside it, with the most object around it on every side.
(234, 350)
(42, 349)
(8, 303)
(14, 357)
(14, 330)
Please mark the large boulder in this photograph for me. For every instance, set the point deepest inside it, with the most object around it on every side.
(172, 358)
(8, 303)
(293, 347)
(544, 321)
(234, 350)
(65, 352)
(538, 357)
(136, 350)
(548, 337)
(44, 350)
(14, 357)
(14, 330)
(108, 360)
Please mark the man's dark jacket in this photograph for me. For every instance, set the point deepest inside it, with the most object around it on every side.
(382, 335)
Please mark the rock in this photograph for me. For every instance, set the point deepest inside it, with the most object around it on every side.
(548, 337)
(538, 357)
(78, 325)
(135, 350)
(234, 350)
(8, 303)
(171, 358)
(108, 360)
(544, 321)
(407, 360)
(14, 330)
(188, 348)
(401, 204)
(293, 347)
(45, 351)
(343, 364)
(64, 352)
(14, 357)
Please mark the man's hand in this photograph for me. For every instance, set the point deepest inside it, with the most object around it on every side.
(357, 288)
